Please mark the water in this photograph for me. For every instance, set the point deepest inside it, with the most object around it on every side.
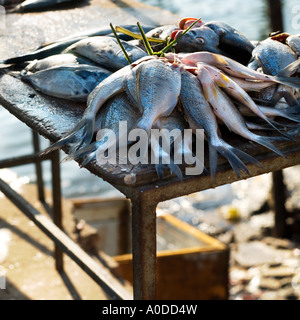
(249, 17)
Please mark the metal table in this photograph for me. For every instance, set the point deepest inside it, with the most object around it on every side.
(52, 118)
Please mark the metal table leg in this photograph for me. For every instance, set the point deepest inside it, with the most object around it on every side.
(38, 167)
(279, 198)
(57, 208)
(143, 248)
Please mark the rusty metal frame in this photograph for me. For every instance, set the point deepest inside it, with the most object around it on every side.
(63, 244)
(144, 200)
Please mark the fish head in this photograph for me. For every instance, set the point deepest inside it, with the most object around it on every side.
(232, 43)
(197, 39)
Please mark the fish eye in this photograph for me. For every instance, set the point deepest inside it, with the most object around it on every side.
(201, 40)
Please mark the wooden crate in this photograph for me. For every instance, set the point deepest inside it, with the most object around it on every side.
(190, 264)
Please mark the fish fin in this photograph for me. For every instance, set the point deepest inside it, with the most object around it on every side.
(73, 138)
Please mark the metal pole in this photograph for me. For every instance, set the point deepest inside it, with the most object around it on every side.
(144, 248)
(96, 270)
(57, 208)
(38, 167)
(275, 14)
(279, 197)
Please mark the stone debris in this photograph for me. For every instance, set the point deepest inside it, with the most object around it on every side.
(262, 267)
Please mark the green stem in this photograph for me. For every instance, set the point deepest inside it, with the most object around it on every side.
(136, 36)
(145, 40)
(120, 44)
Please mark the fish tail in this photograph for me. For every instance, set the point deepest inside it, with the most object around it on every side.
(89, 158)
(213, 161)
(74, 138)
(292, 113)
(83, 151)
(274, 125)
(160, 170)
(232, 155)
(290, 69)
(237, 165)
(266, 142)
(174, 168)
(288, 81)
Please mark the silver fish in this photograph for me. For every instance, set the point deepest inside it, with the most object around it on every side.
(228, 113)
(57, 47)
(106, 51)
(42, 52)
(31, 5)
(154, 86)
(55, 61)
(277, 58)
(291, 113)
(115, 110)
(232, 43)
(173, 121)
(199, 115)
(72, 82)
(198, 39)
(294, 43)
(273, 56)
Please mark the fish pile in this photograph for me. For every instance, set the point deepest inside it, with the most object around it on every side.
(212, 76)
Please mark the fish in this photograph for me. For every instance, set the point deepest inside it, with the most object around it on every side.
(225, 110)
(290, 113)
(54, 61)
(114, 111)
(197, 39)
(234, 90)
(200, 115)
(273, 56)
(9, 3)
(232, 43)
(105, 51)
(171, 122)
(109, 87)
(71, 82)
(277, 59)
(58, 46)
(294, 43)
(32, 5)
(114, 84)
(154, 87)
(230, 67)
(42, 52)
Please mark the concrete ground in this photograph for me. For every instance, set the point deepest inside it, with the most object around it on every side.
(26, 257)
